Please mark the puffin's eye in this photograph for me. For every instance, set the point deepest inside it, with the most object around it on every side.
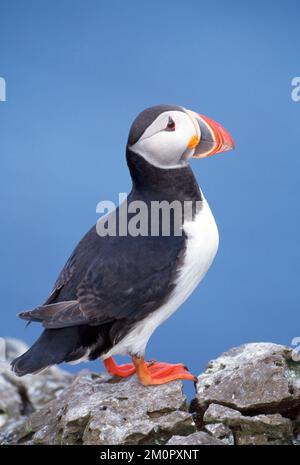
(171, 125)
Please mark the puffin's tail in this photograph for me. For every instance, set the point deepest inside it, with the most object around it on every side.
(53, 346)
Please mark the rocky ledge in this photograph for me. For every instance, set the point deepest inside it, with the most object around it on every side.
(249, 395)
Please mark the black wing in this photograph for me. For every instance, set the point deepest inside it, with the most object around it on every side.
(129, 277)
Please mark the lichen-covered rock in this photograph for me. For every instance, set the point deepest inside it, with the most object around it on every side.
(264, 429)
(249, 395)
(257, 377)
(93, 410)
(258, 429)
(19, 397)
(254, 391)
(200, 438)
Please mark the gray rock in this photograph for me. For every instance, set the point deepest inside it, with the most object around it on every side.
(10, 395)
(264, 429)
(93, 410)
(19, 397)
(257, 377)
(249, 395)
(221, 432)
(199, 438)
(37, 390)
(13, 348)
(219, 414)
(259, 429)
(296, 440)
(10, 398)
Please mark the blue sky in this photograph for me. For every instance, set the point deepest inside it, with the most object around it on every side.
(77, 74)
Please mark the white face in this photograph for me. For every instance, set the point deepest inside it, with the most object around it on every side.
(165, 142)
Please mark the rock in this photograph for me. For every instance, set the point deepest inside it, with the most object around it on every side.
(34, 390)
(13, 348)
(221, 432)
(249, 395)
(37, 390)
(264, 429)
(11, 403)
(254, 390)
(219, 414)
(296, 440)
(93, 410)
(257, 377)
(259, 429)
(199, 438)
(19, 397)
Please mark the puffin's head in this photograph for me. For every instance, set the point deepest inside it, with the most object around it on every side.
(167, 136)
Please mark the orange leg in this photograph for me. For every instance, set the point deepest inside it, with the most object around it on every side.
(114, 369)
(160, 373)
(125, 370)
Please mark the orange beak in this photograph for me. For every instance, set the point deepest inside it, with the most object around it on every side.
(210, 137)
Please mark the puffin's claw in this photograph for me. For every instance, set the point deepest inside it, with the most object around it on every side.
(150, 372)
(160, 372)
(125, 370)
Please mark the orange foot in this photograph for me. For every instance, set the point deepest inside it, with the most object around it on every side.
(125, 370)
(114, 369)
(159, 372)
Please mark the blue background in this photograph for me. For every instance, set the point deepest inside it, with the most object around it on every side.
(77, 74)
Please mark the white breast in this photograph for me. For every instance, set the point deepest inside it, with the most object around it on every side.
(201, 248)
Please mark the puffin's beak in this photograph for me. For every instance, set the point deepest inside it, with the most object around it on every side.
(210, 137)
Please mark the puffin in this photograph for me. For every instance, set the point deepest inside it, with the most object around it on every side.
(116, 289)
